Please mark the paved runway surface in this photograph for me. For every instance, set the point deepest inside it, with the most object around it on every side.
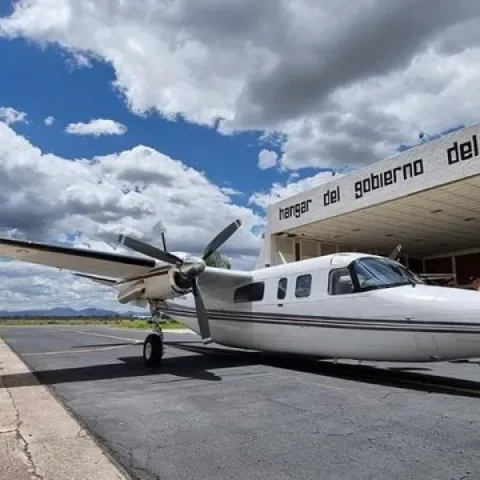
(223, 414)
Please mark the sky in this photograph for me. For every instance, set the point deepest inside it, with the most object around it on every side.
(117, 115)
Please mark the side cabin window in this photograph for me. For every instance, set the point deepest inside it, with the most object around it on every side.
(340, 282)
(253, 292)
(282, 288)
(303, 286)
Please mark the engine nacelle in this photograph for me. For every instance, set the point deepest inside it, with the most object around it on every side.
(163, 285)
(166, 286)
(131, 293)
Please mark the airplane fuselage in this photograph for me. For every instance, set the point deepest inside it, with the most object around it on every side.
(344, 305)
(407, 323)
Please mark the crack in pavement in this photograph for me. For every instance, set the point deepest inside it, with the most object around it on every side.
(49, 442)
(32, 470)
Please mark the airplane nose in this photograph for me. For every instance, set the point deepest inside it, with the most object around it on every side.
(459, 310)
(461, 305)
(431, 303)
(445, 322)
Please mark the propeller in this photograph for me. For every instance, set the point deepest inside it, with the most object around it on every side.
(190, 268)
(149, 250)
(221, 238)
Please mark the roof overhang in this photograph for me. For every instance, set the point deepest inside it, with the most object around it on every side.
(427, 199)
(441, 220)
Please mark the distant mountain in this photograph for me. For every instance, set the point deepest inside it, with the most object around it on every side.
(68, 312)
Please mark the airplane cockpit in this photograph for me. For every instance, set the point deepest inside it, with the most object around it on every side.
(369, 273)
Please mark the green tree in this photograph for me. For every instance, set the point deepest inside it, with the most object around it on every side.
(218, 261)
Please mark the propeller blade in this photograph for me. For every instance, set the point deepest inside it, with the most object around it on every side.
(149, 250)
(201, 314)
(221, 238)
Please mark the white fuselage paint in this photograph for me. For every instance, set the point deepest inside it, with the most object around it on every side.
(406, 323)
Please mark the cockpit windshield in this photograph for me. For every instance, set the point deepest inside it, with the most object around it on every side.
(373, 273)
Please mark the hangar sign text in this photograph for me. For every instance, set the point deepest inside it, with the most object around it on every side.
(296, 210)
(465, 151)
(371, 183)
(377, 181)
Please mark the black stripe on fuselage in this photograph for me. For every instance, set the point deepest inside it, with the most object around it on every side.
(331, 322)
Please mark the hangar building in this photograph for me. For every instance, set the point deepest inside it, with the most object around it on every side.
(427, 199)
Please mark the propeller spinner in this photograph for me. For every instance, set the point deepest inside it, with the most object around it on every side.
(190, 268)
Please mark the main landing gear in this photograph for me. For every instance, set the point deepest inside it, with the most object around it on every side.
(153, 348)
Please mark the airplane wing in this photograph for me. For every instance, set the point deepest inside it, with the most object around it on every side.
(94, 278)
(89, 262)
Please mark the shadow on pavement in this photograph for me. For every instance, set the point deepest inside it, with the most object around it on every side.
(210, 358)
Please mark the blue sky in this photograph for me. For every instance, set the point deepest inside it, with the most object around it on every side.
(42, 81)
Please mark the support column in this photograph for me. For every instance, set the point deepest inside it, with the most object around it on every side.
(454, 268)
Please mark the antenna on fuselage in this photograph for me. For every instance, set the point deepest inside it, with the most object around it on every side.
(395, 252)
(282, 258)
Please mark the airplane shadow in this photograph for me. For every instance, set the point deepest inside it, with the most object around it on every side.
(200, 367)
(184, 367)
(397, 377)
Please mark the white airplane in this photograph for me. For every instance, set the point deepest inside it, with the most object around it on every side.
(340, 306)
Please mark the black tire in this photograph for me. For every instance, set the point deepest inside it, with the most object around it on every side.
(153, 350)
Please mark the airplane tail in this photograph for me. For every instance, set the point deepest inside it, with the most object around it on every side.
(263, 259)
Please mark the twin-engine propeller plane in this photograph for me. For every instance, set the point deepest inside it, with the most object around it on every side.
(338, 306)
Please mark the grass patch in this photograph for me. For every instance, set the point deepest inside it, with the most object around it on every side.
(111, 322)
(143, 325)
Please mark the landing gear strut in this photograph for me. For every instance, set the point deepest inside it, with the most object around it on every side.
(153, 348)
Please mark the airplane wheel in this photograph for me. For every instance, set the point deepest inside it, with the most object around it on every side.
(153, 350)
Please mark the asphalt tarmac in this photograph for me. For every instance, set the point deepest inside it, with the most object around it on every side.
(220, 414)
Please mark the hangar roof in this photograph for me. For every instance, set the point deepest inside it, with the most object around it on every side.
(427, 199)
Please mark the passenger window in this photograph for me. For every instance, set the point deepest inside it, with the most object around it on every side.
(252, 292)
(340, 282)
(303, 286)
(282, 288)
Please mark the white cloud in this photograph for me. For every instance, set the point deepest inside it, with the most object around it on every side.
(96, 127)
(9, 115)
(28, 286)
(44, 197)
(49, 120)
(331, 84)
(267, 159)
(335, 84)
